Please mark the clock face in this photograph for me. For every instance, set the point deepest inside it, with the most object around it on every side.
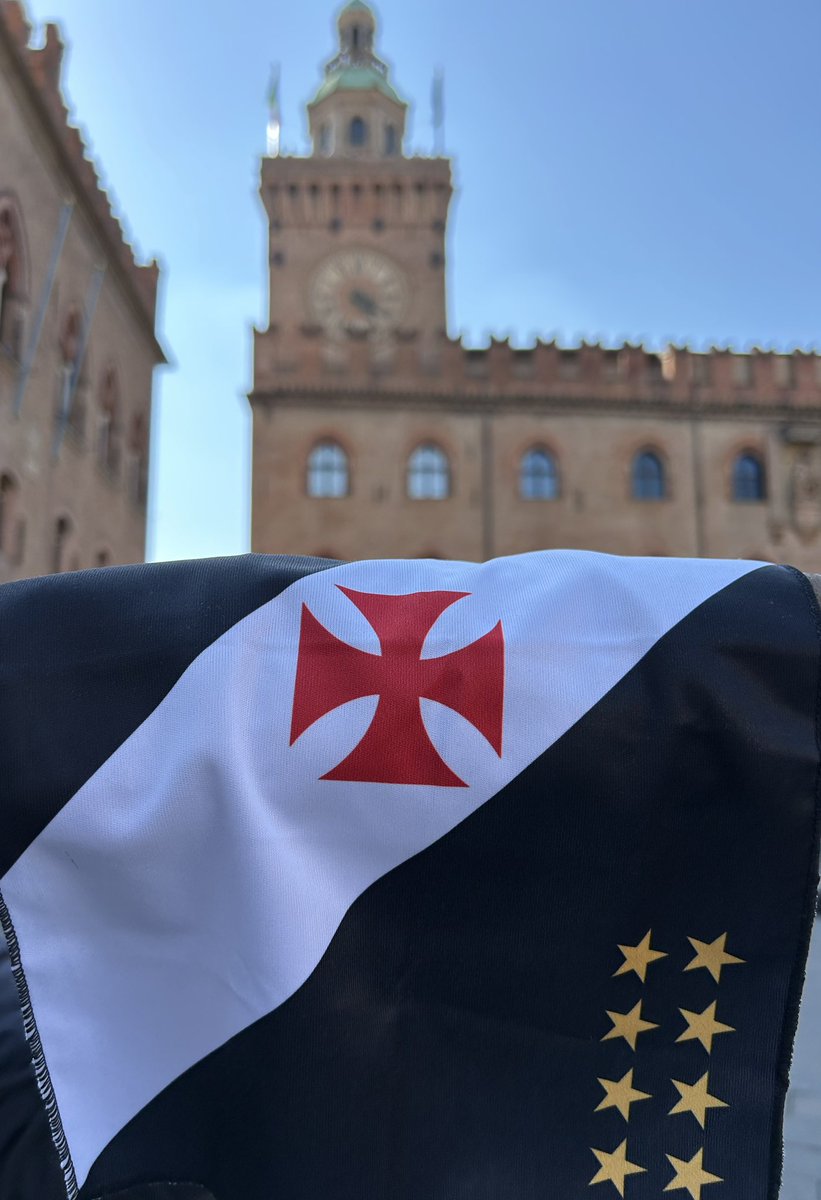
(359, 291)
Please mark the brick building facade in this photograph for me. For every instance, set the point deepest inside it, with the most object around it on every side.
(77, 341)
(375, 433)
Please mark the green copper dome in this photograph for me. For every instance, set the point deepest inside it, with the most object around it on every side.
(356, 79)
(356, 67)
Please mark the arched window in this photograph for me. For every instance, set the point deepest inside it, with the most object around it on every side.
(108, 424)
(7, 251)
(358, 132)
(71, 399)
(62, 532)
(138, 460)
(428, 473)
(749, 478)
(328, 475)
(13, 277)
(649, 478)
(391, 140)
(538, 475)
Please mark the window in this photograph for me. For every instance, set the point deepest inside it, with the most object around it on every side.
(328, 475)
(108, 424)
(749, 478)
(325, 143)
(62, 532)
(13, 283)
(428, 473)
(355, 37)
(648, 481)
(138, 454)
(538, 475)
(391, 140)
(7, 248)
(70, 410)
(102, 559)
(358, 132)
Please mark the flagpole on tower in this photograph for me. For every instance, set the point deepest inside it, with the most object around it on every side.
(274, 114)
(438, 104)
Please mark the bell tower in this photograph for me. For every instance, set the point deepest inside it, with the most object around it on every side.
(356, 314)
(357, 228)
(356, 113)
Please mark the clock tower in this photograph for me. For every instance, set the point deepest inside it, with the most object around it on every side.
(377, 435)
(356, 252)
(357, 229)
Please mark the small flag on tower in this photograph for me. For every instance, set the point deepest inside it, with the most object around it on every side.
(274, 113)
(404, 879)
(438, 107)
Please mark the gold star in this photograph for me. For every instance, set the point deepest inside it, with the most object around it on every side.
(696, 1099)
(621, 1094)
(614, 1168)
(703, 1026)
(638, 958)
(711, 956)
(628, 1025)
(690, 1175)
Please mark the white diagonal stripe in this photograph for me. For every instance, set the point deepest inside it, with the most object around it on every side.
(197, 878)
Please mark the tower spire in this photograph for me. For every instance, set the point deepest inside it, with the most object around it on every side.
(356, 113)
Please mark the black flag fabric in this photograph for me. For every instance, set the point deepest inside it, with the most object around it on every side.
(404, 880)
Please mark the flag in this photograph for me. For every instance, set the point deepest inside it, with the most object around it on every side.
(438, 109)
(407, 879)
(274, 112)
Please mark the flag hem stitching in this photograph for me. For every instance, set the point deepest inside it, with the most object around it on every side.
(38, 1058)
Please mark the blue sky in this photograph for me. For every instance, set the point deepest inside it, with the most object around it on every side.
(643, 169)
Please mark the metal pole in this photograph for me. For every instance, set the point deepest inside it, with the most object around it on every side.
(92, 296)
(45, 296)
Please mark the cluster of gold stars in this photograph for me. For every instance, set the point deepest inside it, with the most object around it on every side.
(695, 1098)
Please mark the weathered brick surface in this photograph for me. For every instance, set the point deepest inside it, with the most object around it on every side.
(42, 165)
(380, 392)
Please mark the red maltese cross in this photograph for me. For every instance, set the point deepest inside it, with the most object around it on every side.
(396, 747)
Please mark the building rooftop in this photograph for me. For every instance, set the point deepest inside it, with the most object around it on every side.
(41, 72)
(355, 78)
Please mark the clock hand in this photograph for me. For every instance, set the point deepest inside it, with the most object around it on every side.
(364, 302)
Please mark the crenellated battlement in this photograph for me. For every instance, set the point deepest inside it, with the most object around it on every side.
(43, 68)
(315, 191)
(404, 360)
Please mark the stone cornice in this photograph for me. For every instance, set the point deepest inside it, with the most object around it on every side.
(720, 408)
